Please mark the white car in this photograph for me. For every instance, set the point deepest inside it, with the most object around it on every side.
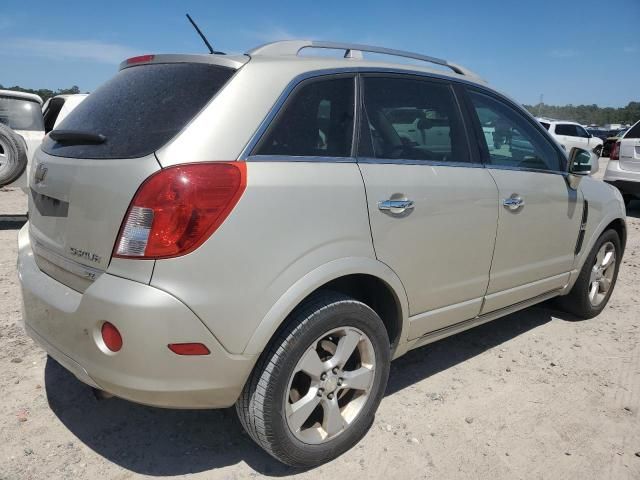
(623, 170)
(21, 132)
(57, 108)
(572, 134)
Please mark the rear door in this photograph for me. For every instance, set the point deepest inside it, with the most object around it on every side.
(81, 185)
(432, 206)
(630, 149)
(539, 215)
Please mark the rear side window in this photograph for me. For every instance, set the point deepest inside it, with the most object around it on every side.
(414, 120)
(566, 129)
(634, 132)
(316, 121)
(21, 114)
(140, 109)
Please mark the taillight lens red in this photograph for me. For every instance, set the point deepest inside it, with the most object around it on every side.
(615, 152)
(178, 208)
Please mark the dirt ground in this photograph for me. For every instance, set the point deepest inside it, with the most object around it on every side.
(532, 395)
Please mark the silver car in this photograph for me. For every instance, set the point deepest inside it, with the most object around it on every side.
(270, 230)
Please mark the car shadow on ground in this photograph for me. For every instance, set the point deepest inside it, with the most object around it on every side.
(160, 442)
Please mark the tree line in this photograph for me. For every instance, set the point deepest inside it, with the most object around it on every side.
(588, 114)
(45, 93)
(584, 114)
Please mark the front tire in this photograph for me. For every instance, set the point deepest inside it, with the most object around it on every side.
(315, 390)
(596, 281)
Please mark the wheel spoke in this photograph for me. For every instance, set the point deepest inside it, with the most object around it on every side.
(608, 259)
(605, 283)
(300, 411)
(359, 379)
(333, 421)
(593, 291)
(311, 364)
(346, 346)
(600, 256)
(593, 276)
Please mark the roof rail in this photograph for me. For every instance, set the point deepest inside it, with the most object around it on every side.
(352, 50)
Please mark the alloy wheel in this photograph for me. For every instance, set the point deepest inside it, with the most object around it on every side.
(330, 385)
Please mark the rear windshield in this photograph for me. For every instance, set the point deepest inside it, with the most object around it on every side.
(21, 114)
(140, 109)
(545, 125)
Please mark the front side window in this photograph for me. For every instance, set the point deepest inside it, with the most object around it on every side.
(413, 120)
(581, 132)
(511, 140)
(316, 121)
(566, 129)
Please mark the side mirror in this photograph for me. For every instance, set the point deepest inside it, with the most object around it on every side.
(579, 166)
(580, 162)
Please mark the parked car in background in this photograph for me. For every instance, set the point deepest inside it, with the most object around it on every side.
(612, 138)
(204, 250)
(623, 170)
(572, 134)
(21, 132)
(600, 133)
(57, 108)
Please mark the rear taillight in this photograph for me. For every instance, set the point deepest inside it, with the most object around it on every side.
(615, 152)
(178, 208)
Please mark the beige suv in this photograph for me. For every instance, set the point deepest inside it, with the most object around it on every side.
(270, 230)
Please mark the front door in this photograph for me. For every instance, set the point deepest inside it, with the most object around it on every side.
(433, 210)
(539, 215)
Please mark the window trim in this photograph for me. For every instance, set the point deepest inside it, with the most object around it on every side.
(459, 84)
(536, 125)
(473, 158)
(278, 110)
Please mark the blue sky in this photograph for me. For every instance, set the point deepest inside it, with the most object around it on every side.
(572, 51)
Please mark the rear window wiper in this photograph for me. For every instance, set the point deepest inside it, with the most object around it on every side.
(77, 137)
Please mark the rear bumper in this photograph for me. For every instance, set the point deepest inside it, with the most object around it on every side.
(627, 181)
(67, 325)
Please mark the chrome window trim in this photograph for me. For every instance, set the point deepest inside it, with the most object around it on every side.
(246, 154)
(298, 158)
(525, 169)
(428, 163)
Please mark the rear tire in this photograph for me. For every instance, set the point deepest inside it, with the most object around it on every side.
(13, 155)
(308, 364)
(596, 281)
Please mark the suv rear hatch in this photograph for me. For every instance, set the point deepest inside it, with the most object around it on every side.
(90, 167)
(630, 149)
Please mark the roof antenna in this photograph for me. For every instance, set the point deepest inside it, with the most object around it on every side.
(204, 39)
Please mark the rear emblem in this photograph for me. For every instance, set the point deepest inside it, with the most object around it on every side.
(41, 172)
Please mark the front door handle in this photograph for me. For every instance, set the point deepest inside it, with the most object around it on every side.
(514, 202)
(395, 206)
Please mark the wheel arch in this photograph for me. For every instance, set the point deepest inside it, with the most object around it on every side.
(365, 279)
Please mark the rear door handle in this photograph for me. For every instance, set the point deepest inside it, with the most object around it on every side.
(395, 206)
(514, 202)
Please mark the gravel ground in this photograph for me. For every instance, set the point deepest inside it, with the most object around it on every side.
(532, 395)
